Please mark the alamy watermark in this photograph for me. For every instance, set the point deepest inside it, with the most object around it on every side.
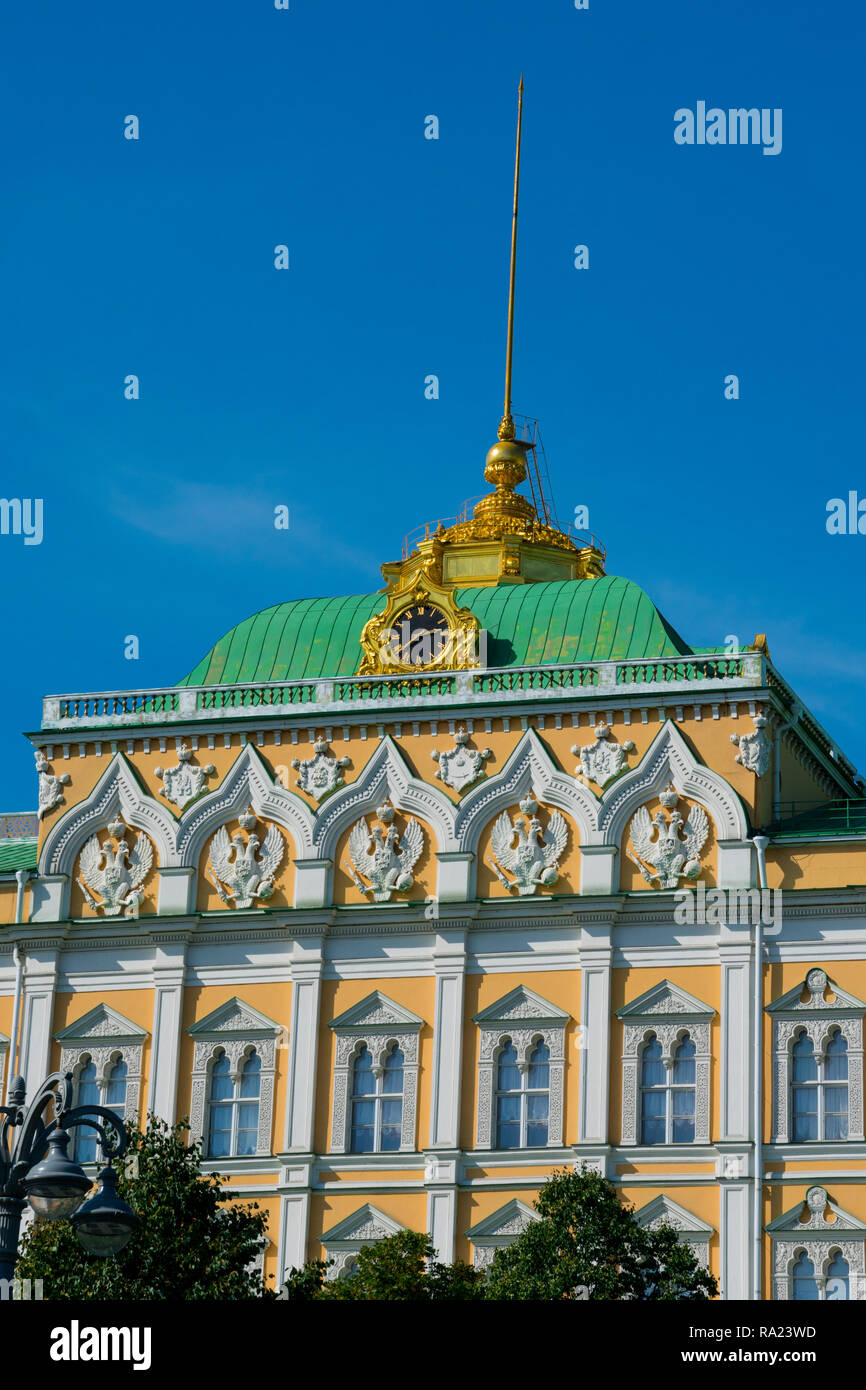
(718, 907)
(22, 516)
(736, 126)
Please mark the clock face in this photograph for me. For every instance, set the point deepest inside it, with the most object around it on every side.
(419, 636)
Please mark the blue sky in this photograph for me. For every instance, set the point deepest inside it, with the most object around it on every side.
(306, 387)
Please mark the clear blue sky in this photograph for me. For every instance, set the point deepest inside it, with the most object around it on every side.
(306, 387)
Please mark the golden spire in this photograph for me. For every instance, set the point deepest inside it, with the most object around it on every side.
(506, 427)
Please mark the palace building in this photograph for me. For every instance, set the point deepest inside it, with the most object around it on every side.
(383, 896)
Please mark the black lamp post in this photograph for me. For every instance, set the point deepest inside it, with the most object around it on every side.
(54, 1185)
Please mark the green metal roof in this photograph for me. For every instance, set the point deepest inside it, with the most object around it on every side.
(17, 854)
(830, 818)
(608, 619)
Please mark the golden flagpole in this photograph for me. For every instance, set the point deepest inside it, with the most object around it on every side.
(506, 428)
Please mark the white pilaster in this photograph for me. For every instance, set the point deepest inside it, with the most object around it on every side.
(312, 877)
(48, 898)
(734, 1224)
(736, 1058)
(440, 1180)
(455, 875)
(303, 1044)
(598, 869)
(736, 864)
(37, 1015)
(449, 963)
(294, 1219)
(168, 976)
(176, 887)
(594, 1039)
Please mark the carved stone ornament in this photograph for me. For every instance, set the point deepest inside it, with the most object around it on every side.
(458, 766)
(375, 856)
(817, 1019)
(826, 1232)
(320, 775)
(602, 760)
(670, 856)
(535, 858)
(754, 754)
(50, 787)
(185, 781)
(115, 871)
(238, 872)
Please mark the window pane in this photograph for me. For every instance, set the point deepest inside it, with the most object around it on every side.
(508, 1074)
(220, 1131)
(836, 1062)
(837, 1279)
(538, 1073)
(508, 1122)
(805, 1065)
(536, 1119)
(653, 1117)
(363, 1081)
(805, 1283)
(392, 1081)
(684, 1063)
(836, 1112)
(805, 1114)
(392, 1119)
(362, 1112)
(652, 1069)
(84, 1148)
(221, 1083)
(362, 1140)
(683, 1116)
(250, 1077)
(248, 1127)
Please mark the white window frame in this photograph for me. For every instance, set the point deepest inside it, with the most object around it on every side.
(364, 1227)
(235, 1028)
(525, 1018)
(669, 1089)
(818, 1018)
(499, 1230)
(104, 1060)
(236, 1072)
(377, 1097)
(669, 1013)
(378, 1023)
(690, 1229)
(523, 1064)
(822, 1085)
(105, 1036)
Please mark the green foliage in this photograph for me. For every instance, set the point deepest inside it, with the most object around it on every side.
(588, 1245)
(193, 1241)
(400, 1268)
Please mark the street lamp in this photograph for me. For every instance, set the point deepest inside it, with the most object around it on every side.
(52, 1182)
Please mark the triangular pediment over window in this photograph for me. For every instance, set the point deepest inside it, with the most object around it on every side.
(376, 1011)
(663, 1211)
(234, 1017)
(664, 998)
(522, 1004)
(816, 985)
(817, 1207)
(365, 1224)
(509, 1220)
(100, 1023)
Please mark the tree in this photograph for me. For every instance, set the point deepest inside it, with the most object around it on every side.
(193, 1241)
(587, 1244)
(401, 1268)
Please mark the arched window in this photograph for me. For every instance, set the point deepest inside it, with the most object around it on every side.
(377, 1102)
(819, 1090)
(838, 1272)
(668, 1095)
(805, 1284)
(234, 1107)
(522, 1098)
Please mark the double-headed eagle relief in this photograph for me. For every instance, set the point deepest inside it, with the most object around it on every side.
(115, 871)
(670, 845)
(375, 855)
(238, 871)
(535, 858)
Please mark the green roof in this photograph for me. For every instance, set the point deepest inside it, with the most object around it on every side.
(607, 619)
(832, 818)
(17, 854)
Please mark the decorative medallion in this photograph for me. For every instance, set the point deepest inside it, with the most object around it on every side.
(115, 871)
(670, 856)
(374, 855)
(238, 872)
(603, 760)
(50, 787)
(458, 766)
(185, 781)
(754, 748)
(535, 858)
(320, 775)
